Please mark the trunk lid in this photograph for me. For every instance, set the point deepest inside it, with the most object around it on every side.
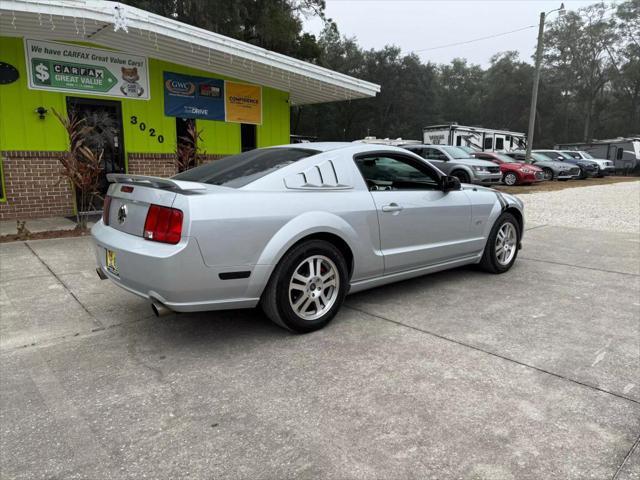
(132, 195)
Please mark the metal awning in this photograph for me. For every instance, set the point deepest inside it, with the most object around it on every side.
(132, 30)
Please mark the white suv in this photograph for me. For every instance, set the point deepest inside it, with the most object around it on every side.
(605, 167)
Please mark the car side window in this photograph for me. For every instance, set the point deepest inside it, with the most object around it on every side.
(417, 151)
(396, 172)
(433, 154)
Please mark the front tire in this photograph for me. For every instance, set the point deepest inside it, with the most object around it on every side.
(548, 173)
(583, 174)
(501, 250)
(307, 287)
(462, 176)
(510, 179)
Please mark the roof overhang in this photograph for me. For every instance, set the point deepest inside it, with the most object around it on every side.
(154, 36)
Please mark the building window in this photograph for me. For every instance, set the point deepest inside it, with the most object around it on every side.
(499, 143)
(488, 143)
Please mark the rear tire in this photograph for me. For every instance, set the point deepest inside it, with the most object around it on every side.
(307, 287)
(462, 176)
(501, 250)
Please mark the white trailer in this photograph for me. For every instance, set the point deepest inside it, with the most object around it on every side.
(396, 142)
(623, 151)
(478, 138)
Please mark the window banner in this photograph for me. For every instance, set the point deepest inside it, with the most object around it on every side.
(187, 96)
(243, 103)
(76, 69)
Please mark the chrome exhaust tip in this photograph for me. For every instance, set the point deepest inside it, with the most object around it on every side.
(159, 310)
(101, 274)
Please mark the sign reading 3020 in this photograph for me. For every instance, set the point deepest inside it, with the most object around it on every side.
(77, 69)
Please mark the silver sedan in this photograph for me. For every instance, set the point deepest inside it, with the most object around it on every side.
(296, 228)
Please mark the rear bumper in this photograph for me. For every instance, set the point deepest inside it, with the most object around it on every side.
(174, 275)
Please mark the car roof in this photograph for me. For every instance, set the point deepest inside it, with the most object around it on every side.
(321, 147)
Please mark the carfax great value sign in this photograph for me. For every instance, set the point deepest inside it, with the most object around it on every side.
(77, 69)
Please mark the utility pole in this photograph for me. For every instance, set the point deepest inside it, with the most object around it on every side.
(534, 92)
(536, 81)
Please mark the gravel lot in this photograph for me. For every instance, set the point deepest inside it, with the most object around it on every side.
(612, 208)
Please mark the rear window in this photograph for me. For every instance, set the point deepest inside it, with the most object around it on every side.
(239, 170)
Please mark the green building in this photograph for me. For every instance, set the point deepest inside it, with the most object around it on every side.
(148, 78)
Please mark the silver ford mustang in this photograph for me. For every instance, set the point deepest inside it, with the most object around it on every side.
(295, 228)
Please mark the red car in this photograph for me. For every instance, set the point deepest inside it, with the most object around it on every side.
(513, 173)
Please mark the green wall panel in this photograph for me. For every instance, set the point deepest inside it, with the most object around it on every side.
(21, 129)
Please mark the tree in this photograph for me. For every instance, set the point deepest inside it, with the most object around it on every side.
(272, 24)
(577, 48)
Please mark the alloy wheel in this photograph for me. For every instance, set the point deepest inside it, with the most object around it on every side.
(510, 179)
(506, 243)
(314, 286)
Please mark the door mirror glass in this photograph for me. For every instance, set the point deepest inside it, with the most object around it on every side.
(448, 183)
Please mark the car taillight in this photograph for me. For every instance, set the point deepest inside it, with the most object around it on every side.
(163, 224)
(105, 210)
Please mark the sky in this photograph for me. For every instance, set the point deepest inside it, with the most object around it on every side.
(415, 25)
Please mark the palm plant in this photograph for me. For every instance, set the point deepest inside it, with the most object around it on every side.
(81, 165)
(188, 153)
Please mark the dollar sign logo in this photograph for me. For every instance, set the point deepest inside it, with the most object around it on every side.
(42, 72)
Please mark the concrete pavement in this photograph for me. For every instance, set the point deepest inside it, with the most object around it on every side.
(531, 374)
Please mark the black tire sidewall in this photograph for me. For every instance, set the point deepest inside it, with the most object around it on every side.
(490, 252)
(548, 172)
(462, 176)
(286, 269)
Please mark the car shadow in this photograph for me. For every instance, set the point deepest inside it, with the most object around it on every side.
(249, 328)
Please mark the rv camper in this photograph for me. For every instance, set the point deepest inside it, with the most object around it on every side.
(396, 142)
(478, 138)
(623, 151)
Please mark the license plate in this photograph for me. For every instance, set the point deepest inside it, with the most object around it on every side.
(112, 264)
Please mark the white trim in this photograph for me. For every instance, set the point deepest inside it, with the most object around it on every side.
(79, 20)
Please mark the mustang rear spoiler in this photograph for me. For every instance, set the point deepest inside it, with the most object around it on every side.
(156, 182)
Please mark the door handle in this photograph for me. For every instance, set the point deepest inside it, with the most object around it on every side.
(392, 207)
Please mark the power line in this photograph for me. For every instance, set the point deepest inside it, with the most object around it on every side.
(474, 40)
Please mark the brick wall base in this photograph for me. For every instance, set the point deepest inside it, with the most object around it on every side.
(160, 164)
(33, 186)
(152, 164)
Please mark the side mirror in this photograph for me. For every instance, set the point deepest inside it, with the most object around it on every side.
(449, 183)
